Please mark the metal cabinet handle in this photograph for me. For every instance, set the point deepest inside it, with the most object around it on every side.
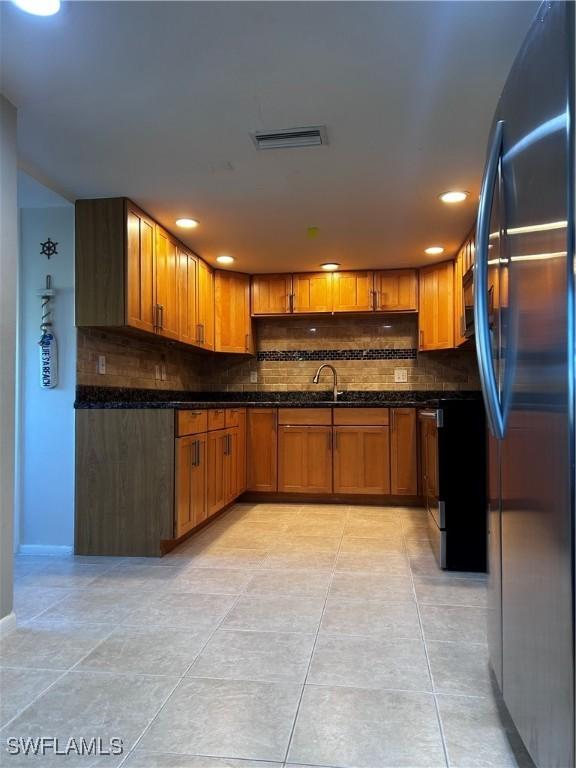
(292, 302)
(421, 338)
(160, 316)
(247, 344)
(481, 326)
(198, 337)
(374, 300)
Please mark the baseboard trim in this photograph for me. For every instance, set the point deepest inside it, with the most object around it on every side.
(45, 549)
(7, 624)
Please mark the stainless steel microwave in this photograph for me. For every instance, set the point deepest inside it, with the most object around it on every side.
(467, 318)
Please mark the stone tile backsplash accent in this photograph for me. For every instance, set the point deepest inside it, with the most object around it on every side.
(365, 350)
(279, 356)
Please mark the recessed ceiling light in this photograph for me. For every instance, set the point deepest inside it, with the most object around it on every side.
(330, 266)
(225, 259)
(186, 223)
(434, 250)
(312, 330)
(453, 197)
(39, 7)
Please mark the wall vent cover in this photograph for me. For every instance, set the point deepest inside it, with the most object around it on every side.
(310, 136)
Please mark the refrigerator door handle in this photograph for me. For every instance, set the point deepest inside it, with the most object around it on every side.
(481, 326)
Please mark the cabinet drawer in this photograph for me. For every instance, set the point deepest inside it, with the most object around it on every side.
(358, 417)
(305, 416)
(191, 422)
(232, 418)
(216, 418)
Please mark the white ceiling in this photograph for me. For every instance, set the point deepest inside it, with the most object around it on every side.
(156, 101)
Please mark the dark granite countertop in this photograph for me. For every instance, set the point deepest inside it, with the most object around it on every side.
(112, 397)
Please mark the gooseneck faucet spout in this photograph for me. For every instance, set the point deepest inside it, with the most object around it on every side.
(316, 378)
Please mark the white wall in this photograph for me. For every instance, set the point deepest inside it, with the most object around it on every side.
(46, 445)
(8, 292)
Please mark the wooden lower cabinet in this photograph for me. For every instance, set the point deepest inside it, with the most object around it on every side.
(231, 465)
(262, 450)
(190, 502)
(403, 452)
(362, 460)
(305, 459)
(241, 483)
(217, 446)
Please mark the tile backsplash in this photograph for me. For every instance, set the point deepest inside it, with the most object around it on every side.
(365, 351)
(131, 362)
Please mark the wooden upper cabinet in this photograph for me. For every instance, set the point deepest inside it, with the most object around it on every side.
(305, 459)
(140, 278)
(166, 285)
(271, 294)
(205, 306)
(352, 291)
(187, 297)
(362, 460)
(459, 322)
(312, 292)
(436, 305)
(396, 290)
(232, 312)
(403, 452)
(262, 449)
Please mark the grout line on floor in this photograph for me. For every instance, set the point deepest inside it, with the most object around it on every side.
(436, 707)
(178, 683)
(291, 737)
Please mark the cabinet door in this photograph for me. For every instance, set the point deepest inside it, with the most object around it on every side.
(396, 290)
(312, 292)
(187, 291)
(166, 285)
(362, 460)
(305, 459)
(231, 460)
(459, 337)
(271, 294)
(232, 312)
(217, 445)
(352, 291)
(140, 277)
(262, 449)
(190, 483)
(403, 452)
(205, 306)
(241, 449)
(436, 307)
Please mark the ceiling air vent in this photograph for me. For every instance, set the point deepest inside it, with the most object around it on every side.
(311, 136)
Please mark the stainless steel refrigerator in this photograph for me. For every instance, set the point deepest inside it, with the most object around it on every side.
(524, 329)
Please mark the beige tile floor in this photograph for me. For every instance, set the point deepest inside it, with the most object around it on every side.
(279, 636)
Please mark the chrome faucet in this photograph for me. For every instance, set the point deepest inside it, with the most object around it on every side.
(316, 378)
